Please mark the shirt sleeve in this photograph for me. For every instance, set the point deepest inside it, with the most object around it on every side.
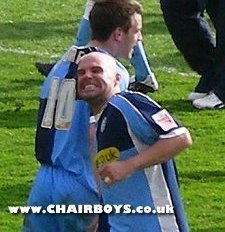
(159, 119)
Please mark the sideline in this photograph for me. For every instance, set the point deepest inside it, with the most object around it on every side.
(27, 52)
(44, 54)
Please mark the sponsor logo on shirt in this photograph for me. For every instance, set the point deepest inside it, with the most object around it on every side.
(105, 156)
(164, 120)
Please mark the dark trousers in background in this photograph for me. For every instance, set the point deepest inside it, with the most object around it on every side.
(193, 37)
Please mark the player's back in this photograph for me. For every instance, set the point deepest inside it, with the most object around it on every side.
(63, 121)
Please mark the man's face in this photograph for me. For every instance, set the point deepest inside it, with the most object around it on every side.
(96, 77)
(131, 37)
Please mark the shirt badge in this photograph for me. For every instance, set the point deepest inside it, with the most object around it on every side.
(103, 124)
(164, 120)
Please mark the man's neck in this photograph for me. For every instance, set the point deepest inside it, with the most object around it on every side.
(97, 107)
(107, 46)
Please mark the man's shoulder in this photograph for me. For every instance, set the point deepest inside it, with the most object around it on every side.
(136, 97)
(75, 52)
(136, 101)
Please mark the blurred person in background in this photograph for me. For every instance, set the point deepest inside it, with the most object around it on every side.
(193, 37)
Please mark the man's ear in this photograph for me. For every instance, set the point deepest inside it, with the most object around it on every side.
(117, 80)
(117, 34)
(117, 83)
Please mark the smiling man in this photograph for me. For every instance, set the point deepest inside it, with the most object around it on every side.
(97, 91)
(144, 138)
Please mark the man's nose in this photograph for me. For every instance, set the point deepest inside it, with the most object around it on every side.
(88, 74)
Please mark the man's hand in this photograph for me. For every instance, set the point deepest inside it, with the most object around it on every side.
(115, 171)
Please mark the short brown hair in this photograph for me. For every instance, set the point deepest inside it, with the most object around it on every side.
(107, 15)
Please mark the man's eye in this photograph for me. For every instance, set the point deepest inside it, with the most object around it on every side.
(96, 70)
(80, 72)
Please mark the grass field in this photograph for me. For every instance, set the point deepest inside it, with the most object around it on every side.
(38, 30)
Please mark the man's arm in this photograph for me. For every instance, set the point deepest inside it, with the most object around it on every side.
(161, 151)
